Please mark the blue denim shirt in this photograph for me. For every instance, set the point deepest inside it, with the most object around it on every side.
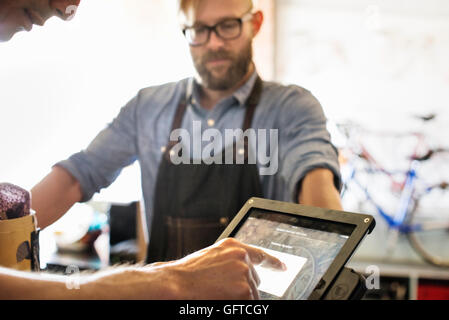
(142, 129)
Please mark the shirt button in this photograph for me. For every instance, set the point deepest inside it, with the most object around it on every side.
(210, 122)
(163, 149)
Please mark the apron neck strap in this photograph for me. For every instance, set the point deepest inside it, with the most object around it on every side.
(251, 104)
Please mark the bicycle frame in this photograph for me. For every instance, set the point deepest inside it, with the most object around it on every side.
(395, 221)
(410, 189)
(408, 196)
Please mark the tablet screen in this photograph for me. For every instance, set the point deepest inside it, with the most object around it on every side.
(307, 246)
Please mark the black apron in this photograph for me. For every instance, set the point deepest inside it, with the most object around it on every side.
(193, 203)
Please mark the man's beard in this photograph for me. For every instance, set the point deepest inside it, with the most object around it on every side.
(237, 70)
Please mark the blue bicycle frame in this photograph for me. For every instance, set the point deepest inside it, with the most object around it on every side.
(406, 199)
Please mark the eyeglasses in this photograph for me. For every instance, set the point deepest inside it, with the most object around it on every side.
(228, 29)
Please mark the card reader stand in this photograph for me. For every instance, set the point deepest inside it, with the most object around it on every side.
(349, 285)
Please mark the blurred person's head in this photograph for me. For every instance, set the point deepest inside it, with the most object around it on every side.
(221, 60)
(19, 15)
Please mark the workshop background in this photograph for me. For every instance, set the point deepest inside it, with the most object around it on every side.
(376, 66)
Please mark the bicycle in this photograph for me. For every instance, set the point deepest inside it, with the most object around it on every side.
(427, 232)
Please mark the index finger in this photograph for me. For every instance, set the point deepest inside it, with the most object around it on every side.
(258, 256)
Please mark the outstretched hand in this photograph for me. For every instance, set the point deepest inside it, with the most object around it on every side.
(224, 270)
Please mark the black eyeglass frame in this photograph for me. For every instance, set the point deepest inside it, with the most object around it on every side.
(246, 17)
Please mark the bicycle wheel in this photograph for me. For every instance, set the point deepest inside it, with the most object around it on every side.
(430, 234)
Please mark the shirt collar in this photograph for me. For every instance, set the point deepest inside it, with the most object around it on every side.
(241, 94)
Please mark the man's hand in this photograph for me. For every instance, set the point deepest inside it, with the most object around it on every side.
(222, 271)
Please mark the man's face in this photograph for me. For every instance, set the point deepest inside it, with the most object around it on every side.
(19, 15)
(221, 64)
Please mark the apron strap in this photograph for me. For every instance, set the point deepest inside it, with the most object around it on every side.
(177, 120)
(251, 103)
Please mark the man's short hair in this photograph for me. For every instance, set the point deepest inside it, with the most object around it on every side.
(184, 5)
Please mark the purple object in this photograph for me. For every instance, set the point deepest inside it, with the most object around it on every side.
(15, 202)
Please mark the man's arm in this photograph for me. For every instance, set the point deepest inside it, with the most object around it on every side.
(318, 190)
(54, 196)
(308, 165)
(222, 271)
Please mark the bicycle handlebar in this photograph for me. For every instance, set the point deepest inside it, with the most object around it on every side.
(429, 154)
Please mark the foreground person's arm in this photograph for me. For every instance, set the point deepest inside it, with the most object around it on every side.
(222, 271)
(118, 283)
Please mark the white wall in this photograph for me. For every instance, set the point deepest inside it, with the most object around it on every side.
(375, 61)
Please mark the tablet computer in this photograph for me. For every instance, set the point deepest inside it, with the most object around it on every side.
(314, 243)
